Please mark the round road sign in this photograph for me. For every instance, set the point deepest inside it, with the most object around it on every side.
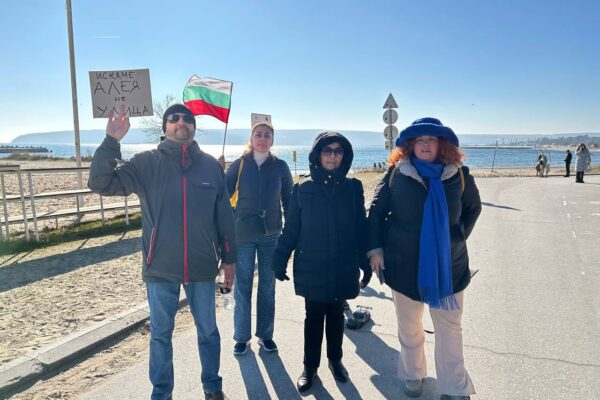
(390, 132)
(390, 116)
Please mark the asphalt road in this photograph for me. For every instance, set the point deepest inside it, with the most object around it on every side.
(531, 323)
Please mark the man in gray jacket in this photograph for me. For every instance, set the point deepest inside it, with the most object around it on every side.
(187, 228)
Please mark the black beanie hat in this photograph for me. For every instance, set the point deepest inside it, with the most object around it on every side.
(175, 108)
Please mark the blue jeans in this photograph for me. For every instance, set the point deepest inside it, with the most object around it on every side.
(163, 299)
(242, 289)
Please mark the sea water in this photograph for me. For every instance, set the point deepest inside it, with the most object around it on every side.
(364, 156)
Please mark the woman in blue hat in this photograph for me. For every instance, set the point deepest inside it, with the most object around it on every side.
(422, 213)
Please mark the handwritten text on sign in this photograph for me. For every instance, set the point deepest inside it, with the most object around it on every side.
(110, 89)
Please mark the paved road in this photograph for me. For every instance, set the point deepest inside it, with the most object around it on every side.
(531, 322)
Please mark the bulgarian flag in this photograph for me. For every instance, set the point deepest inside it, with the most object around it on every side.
(208, 96)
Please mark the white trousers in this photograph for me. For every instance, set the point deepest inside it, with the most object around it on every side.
(452, 377)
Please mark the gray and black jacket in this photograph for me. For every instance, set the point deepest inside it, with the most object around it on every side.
(187, 222)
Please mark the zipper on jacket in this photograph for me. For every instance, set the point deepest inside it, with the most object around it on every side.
(152, 239)
(185, 237)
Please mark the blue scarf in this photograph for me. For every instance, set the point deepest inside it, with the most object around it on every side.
(435, 264)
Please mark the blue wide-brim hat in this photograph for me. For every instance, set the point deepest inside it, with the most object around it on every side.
(426, 127)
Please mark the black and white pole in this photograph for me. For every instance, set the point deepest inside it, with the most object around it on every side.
(390, 116)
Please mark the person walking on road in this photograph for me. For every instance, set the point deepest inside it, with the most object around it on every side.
(568, 159)
(264, 186)
(325, 226)
(423, 211)
(187, 227)
(582, 163)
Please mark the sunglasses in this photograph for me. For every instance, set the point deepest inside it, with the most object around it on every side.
(174, 118)
(328, 151)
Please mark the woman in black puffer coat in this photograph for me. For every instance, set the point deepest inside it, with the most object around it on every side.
(325, 226)
(424, 209)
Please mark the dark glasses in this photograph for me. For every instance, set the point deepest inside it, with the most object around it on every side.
(328, 151)
(174, 118)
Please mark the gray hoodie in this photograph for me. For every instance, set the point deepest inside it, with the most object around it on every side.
(187, 221)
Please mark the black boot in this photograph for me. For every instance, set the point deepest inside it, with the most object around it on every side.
(306, 379)
(340, 373)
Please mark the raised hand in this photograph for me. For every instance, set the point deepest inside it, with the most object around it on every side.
(118, 125)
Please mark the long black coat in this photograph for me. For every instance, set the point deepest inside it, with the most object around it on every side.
(326, 227)
(395, 220)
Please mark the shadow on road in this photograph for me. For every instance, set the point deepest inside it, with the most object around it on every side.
(383, 359)
(20, 274)
(497, 206)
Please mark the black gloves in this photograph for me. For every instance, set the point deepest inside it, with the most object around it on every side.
(282, 276)
(367, 274)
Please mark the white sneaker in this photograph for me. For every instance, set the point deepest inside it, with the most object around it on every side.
(413, 387)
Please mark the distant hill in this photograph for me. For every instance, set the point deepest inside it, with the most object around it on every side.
(285, 137)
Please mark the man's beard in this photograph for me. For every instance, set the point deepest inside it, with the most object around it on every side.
(184, 134)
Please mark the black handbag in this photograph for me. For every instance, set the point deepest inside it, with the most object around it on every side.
(250, 227)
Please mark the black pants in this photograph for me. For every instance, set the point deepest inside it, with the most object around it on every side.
(318, 314)
(568, 168)
(579, 177)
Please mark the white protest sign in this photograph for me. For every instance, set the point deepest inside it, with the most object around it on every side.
(258, 118)
(131, 88)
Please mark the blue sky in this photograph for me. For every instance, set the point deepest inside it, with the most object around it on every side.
(480, 66)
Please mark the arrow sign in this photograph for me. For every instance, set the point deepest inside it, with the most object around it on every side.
(390, 102)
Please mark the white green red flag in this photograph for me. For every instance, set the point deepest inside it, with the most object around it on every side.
(208, 96)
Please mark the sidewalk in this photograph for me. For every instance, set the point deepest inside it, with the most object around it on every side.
(530, 320)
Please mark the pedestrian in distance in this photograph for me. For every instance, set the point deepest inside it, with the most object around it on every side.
(568, 158)
(187, 228)
(423, 211)
(262, 185)
(325, 227)
(583, 162)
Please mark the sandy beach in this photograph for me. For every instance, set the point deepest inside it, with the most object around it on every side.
(52, 182)
(49, 293)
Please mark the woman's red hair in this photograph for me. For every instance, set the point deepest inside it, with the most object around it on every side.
(447, 152)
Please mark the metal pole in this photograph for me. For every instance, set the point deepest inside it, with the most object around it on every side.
(4, 201)
(23, 207)
(126, 212)
(32, 200)
(102, 209)
(74, 98)
(227, 123)
(391, 138)
(494, 160)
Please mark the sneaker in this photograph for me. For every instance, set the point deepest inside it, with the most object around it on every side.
(413, 387)
(450, 397)
(268, 345)
(240, 348)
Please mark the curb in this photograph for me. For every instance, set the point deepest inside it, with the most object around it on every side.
(29, 368)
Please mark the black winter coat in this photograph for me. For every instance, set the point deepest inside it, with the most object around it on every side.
(326, 227)
(395, 219)
(266, 189)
